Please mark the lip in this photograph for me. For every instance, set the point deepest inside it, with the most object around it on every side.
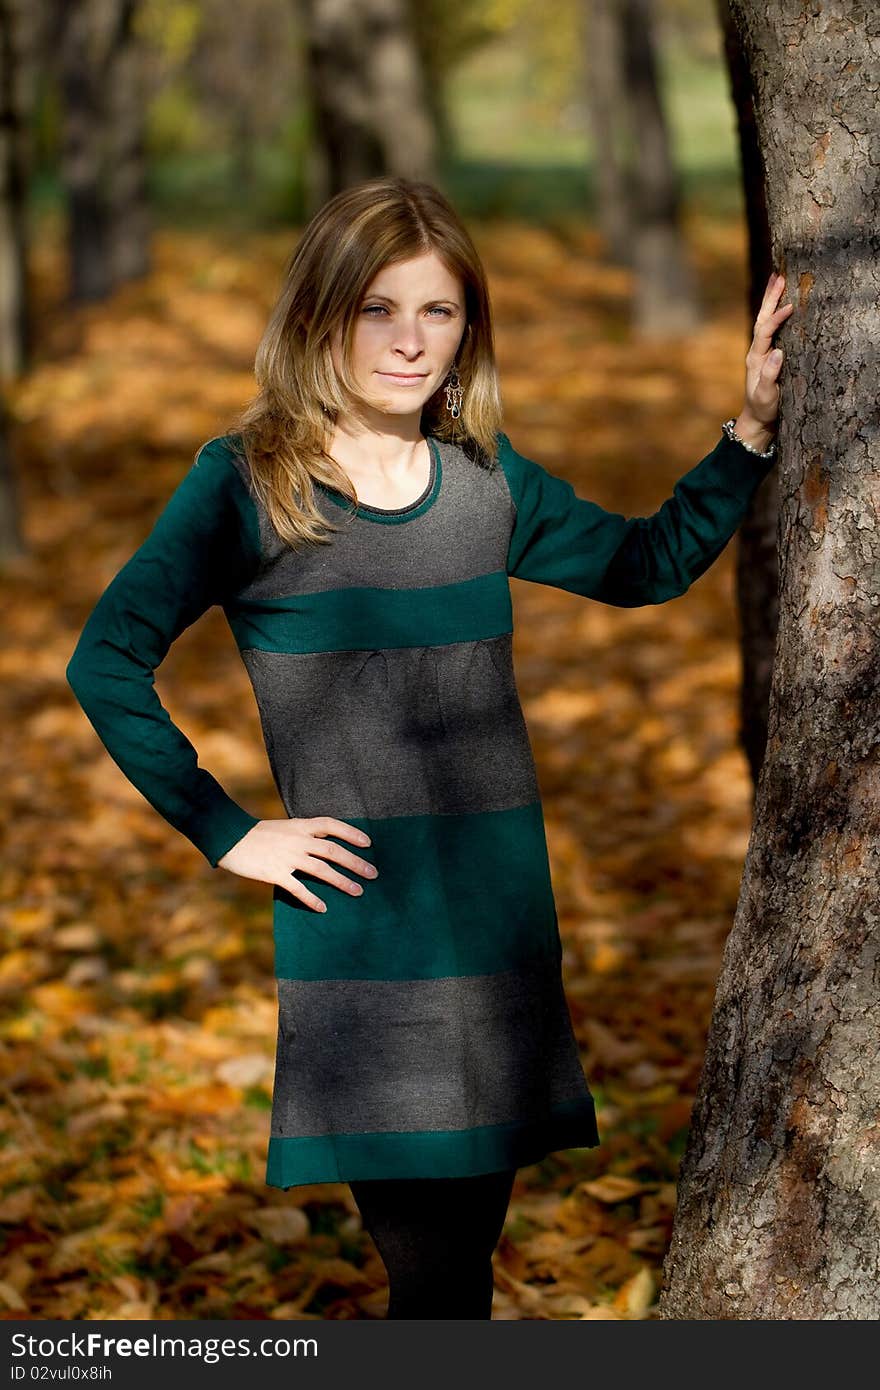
(404, 378)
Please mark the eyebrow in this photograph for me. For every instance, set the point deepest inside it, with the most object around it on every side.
(424, 306)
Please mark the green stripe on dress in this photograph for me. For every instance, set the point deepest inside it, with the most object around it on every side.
(365, 618)
(445, 902)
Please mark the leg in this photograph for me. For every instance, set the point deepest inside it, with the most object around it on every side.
(436, 1237)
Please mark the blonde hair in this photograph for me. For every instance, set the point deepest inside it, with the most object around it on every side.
(286, 428)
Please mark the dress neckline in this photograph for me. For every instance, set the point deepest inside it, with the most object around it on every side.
(396, 514)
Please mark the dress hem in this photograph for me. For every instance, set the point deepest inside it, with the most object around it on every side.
(295, 1162)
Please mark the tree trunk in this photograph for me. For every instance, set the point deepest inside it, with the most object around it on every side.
(102, 156)
(18, 33)
(401, 113)
(757, 564)
(15, 342)
(243, 139)
(666, 299)
(370, 113)
(757, 578)
(128, 212)
(779, 1194)
(607, 102)
(12, 542)
(82, 153)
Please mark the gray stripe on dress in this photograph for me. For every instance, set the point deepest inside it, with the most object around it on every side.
(356, 1056)
(464, 533)
(403, 731)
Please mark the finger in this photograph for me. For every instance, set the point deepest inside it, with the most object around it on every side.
(772, 296)
(773, 289)
(779, 314)
(340, 855)
(328, 825)
(293, 886)
(774, 362)
(762, 342)
(319, 869)
(766, 326)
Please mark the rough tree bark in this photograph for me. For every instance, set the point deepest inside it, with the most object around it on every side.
(779, 1197)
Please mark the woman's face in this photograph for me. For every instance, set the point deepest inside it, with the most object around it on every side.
(408, 329)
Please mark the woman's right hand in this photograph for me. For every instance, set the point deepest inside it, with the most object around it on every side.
(272, 849)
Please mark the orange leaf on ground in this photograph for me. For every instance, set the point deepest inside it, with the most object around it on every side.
(612, 1188)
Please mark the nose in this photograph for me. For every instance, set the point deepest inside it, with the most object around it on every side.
(410, 341)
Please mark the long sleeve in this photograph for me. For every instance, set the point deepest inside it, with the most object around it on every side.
(562, 539)
(203, 546)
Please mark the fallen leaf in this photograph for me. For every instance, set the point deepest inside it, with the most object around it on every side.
(612, 1188)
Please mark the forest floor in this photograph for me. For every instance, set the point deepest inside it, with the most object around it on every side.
(138, 1000)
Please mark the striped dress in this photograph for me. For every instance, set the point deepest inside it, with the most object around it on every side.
(422, 1026)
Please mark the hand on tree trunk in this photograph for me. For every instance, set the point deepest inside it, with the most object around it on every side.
(757, 418)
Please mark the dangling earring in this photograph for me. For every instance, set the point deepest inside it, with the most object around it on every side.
(454, 393)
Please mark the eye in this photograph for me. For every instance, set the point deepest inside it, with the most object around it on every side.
(435, 309)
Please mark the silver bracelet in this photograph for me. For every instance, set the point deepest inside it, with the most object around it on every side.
(731, 434)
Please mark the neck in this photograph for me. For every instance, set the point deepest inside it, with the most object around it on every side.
(392, 452)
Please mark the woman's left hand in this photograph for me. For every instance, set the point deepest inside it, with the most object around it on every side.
(763, 361)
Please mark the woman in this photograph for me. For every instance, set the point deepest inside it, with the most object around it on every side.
(359, 527)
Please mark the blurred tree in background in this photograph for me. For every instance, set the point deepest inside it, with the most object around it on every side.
(227, 104)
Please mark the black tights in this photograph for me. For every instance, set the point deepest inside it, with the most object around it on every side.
(436, 1237)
